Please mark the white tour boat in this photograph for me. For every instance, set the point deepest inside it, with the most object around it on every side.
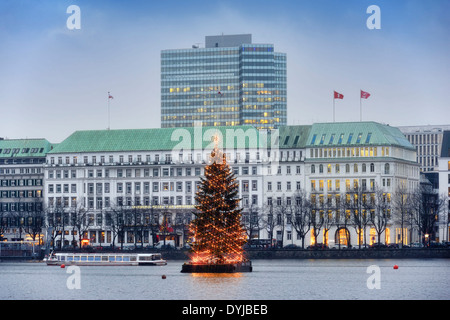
(105, 259)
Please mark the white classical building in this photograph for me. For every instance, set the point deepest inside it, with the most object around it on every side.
(444, 185)
(427, 139)
(138, 186)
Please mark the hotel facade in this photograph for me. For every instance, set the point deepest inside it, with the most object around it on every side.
(137, 186)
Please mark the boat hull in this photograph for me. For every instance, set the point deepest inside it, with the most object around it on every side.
(84, 263)
(97, 259)
(217, 268)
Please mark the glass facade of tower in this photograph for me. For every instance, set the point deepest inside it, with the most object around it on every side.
(223, 86)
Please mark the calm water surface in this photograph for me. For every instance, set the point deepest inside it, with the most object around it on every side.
(270, 280)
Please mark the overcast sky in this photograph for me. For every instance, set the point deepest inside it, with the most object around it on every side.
(54, 81)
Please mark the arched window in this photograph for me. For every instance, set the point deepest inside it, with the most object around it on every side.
(363, 168)
(372, 167)
(386, 168)
(313, 168)
(342, 237)
(320, 168)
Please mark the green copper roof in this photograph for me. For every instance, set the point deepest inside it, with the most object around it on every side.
(158, 139)
(293, 136)
(22, 148)
(356, 134)
(191, 138)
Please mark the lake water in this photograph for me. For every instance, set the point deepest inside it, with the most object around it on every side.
(423, 279)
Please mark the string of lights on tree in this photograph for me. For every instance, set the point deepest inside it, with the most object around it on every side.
(217, 233)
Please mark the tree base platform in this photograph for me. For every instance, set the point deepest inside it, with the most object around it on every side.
(245, 266)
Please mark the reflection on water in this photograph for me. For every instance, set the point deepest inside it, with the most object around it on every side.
(270, 280)
(216, 275)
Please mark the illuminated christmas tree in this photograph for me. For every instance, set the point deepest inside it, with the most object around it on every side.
(217, 233)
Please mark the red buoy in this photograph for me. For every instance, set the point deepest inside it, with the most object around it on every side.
(395, 267)
(163, 276)
(63, 265)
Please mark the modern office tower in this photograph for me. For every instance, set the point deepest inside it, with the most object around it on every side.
(428, 141)
(230, 82)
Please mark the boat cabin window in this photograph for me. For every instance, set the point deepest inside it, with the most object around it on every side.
(69, 258)
(104, 258)
(62, 258)
(112, 258)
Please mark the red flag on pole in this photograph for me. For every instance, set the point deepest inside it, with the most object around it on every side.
(337, 95)
(110, 96)
(364, 95)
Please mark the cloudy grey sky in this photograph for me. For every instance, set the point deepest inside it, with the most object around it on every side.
(54, 81)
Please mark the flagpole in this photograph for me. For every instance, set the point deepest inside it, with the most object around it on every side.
(334, 117)
(109, 117)
(360, 108)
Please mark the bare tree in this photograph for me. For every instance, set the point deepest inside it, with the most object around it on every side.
(359, 206)
(182, 222)
(269, 221)
(343, 215)
(444, 216)
(301, 215)
(280, 214)
(402, 208)
(426, 209)
(317, 218)
(381, 213)
(252, 220)
(35, 221)
(115, 220)
(56, 222)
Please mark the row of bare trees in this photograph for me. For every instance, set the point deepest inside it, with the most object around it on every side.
(65, 224)
(141, 222)
(419, 211)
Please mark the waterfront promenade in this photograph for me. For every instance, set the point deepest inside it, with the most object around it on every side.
(282, 253)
